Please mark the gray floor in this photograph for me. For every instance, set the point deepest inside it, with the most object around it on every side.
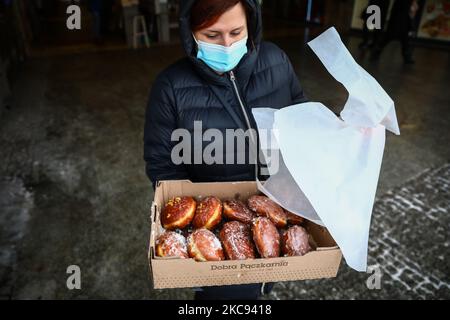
(73, 189)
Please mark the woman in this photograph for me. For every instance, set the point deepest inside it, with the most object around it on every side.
(226, 73)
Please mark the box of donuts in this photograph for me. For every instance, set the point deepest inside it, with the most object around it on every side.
(226, 233)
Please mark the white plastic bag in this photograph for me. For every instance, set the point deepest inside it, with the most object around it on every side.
(329, 168)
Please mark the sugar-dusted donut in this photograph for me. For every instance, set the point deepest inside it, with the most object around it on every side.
(203, 245)
(171, 244)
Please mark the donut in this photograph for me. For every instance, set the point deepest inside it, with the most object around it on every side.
(295, 242)
(237, 210)
(266, 238)
(236, 240)
(171, 244)
(203, 245)
(292, 218)
(178, 213)
(208, 213)
(265, 207)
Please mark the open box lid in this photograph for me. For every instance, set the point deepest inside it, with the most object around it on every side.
(324, 168)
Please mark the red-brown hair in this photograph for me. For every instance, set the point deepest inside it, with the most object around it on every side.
(205, 13)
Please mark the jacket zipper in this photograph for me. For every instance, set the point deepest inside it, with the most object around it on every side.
(236, 90)
(247, 119)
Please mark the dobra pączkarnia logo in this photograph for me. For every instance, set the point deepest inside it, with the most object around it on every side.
(260, 265)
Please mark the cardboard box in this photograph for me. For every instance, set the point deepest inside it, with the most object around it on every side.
(187, 273)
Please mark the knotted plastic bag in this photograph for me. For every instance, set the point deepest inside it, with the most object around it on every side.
(329, 167)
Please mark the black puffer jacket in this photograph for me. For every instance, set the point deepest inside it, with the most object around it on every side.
(189, 91)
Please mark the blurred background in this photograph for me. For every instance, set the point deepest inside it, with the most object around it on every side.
(73, 189)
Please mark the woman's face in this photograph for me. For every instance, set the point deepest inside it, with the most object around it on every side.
(230, 28)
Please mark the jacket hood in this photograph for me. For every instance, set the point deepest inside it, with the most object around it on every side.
(254, 25)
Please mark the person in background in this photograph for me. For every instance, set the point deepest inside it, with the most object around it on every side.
(147, 9)
(372, 37)
(106, 14)
(401, 23)
(101, 11)
(95, 6)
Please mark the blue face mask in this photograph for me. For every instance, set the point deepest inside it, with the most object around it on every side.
(219, 58)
